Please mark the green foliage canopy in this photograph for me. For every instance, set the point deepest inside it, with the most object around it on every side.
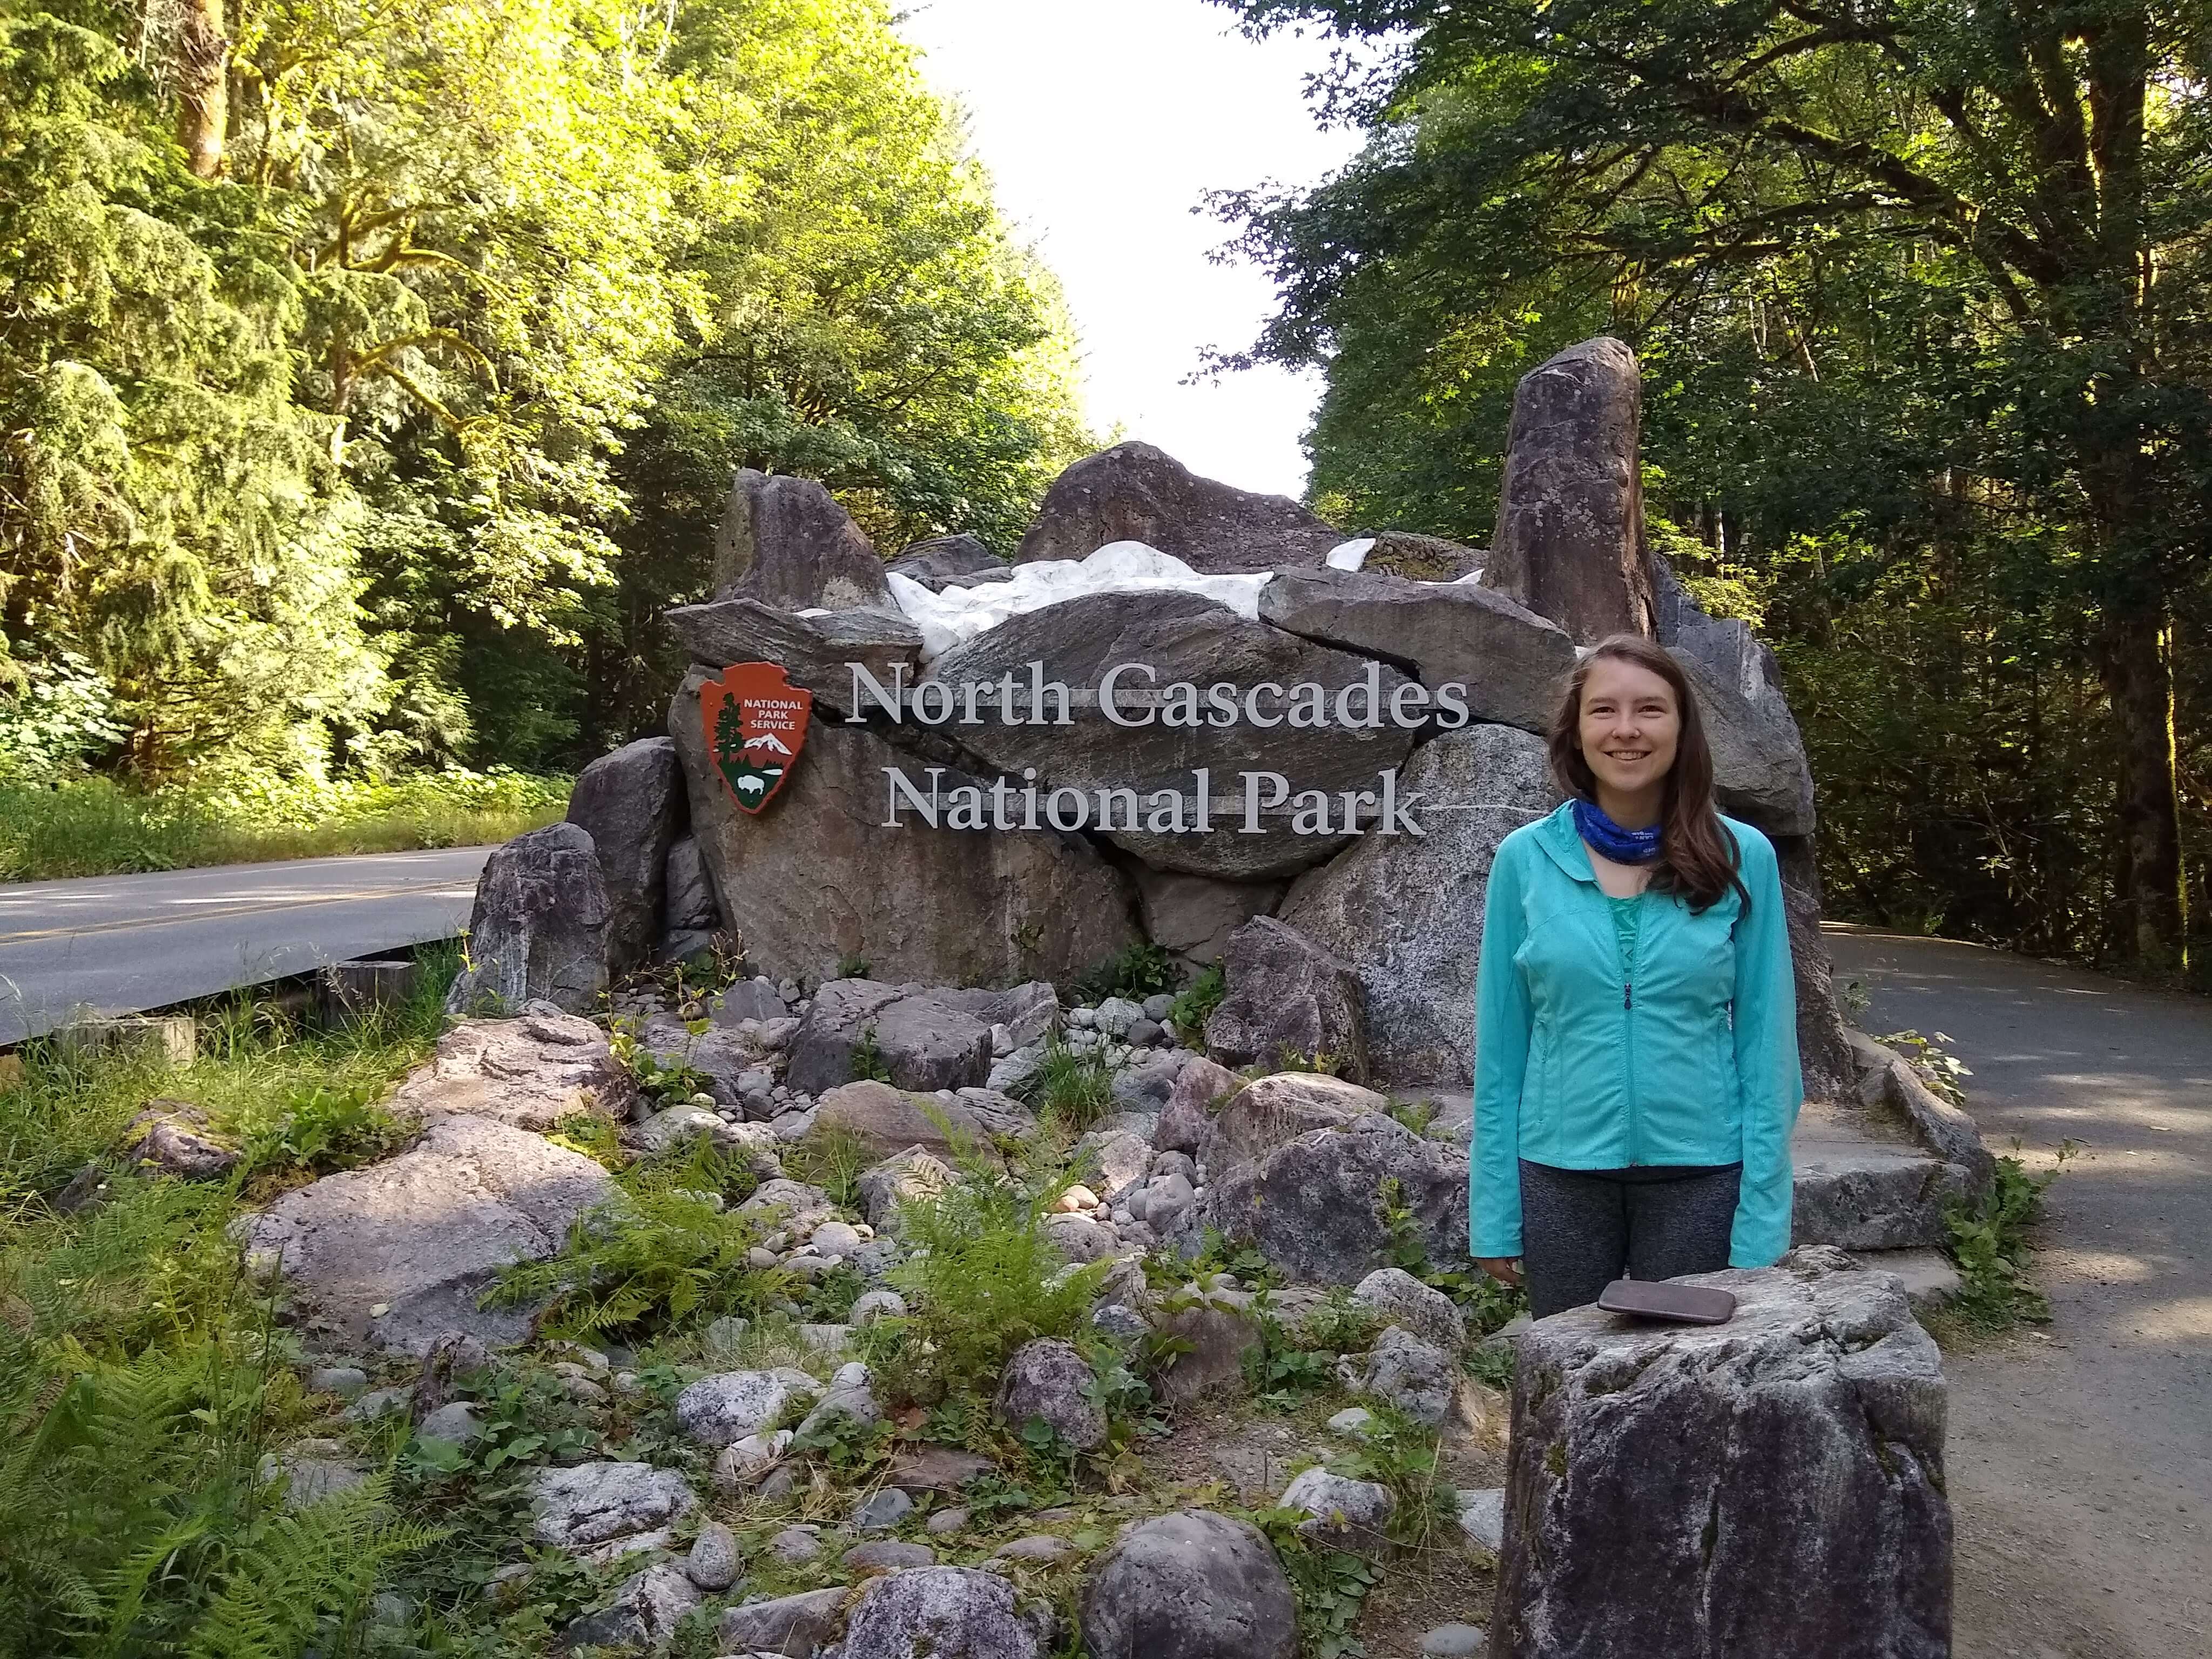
(376, 425)
(1921, 293)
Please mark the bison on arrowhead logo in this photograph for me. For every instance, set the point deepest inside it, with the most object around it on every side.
(756, 722)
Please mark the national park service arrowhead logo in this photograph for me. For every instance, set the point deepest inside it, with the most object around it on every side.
(756, 723)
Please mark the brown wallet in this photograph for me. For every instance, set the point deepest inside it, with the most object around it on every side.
(1687, 1305)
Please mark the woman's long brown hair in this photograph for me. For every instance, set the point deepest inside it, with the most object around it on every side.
(1697, 856)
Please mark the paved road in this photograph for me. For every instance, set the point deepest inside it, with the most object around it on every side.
(2080, 1458)
(119, 944)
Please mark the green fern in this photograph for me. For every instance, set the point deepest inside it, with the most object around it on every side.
(658, 1254)
(304, 1570)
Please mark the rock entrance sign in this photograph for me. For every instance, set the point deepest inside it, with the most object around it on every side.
(756, 722)
(1130, 695)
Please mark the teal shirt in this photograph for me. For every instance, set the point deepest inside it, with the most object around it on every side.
(1616, 1033)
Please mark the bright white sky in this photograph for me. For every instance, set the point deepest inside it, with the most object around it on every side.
(1102, 122)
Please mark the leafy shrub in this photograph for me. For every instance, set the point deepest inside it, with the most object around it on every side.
(1142, 970)
(1415, 1114)
(1330, 1586)
(833, 1159)
(1936, 1066)
(320, 1129)
(671, 1085)
(1196, 1003)
(1989, 1242)
(868, 1063)
(1396, 1452)
(1075, 1086)
(982, 1277)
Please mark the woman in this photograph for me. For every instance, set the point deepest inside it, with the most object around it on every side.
(1636, 1070)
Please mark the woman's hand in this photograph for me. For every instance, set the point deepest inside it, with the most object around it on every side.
(1505, 1269)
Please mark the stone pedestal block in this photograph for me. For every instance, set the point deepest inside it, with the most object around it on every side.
(1771, 1485)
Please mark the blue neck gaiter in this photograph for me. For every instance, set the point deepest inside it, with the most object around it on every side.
(1621, 846)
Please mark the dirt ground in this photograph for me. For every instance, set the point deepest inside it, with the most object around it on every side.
(1248, 1456)
(2080, 1455)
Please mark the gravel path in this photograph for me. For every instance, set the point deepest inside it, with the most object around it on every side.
(2080, 1456)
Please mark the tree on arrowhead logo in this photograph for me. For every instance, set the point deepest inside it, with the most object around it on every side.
(756, 722)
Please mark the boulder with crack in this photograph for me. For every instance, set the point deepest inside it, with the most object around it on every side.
(1289, 997)
(949, 562)
(1570, 544)
(1316, 1205)
(397, 1253)
(1136, 492)
(717, 1411)
(918, 1040)
(1048, 1380)
(538, 929)
(1416, 1377)
(948, 1613)
(888, 1120)
(1512, 663)
(1191, 1585)
(786, 541)
(587, 1504)
(631, 804)
(816, 651)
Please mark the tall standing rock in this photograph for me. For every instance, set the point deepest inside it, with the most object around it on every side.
(1406, 913)
(1771, 1485)
(1732, 656)
(786, 542)
(1136, 493)
(631, 802)
(818, 877)
(1570, 543)
(538, 932)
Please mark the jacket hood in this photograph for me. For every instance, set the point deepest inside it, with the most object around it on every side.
(1563, 842)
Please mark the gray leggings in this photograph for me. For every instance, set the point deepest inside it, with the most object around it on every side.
(1581, 1228)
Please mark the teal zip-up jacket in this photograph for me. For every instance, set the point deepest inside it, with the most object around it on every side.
(1686, 1055)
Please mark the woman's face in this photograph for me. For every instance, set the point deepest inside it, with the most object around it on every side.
(1630, 726)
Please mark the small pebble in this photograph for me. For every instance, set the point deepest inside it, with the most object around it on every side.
(945, 1522)
(1074, 1200)
(1454, 1642)
(882, 1510)
(1039, 1547)
(887, 1555)
(346, 1382)
(795, 1545)
(713, 1563)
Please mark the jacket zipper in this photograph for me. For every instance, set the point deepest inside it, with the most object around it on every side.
(1628, 1039)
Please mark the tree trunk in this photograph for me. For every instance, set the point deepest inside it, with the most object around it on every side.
(2134, 656)
(203, 85)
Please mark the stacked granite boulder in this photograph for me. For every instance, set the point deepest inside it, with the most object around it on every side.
(1342, 943)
